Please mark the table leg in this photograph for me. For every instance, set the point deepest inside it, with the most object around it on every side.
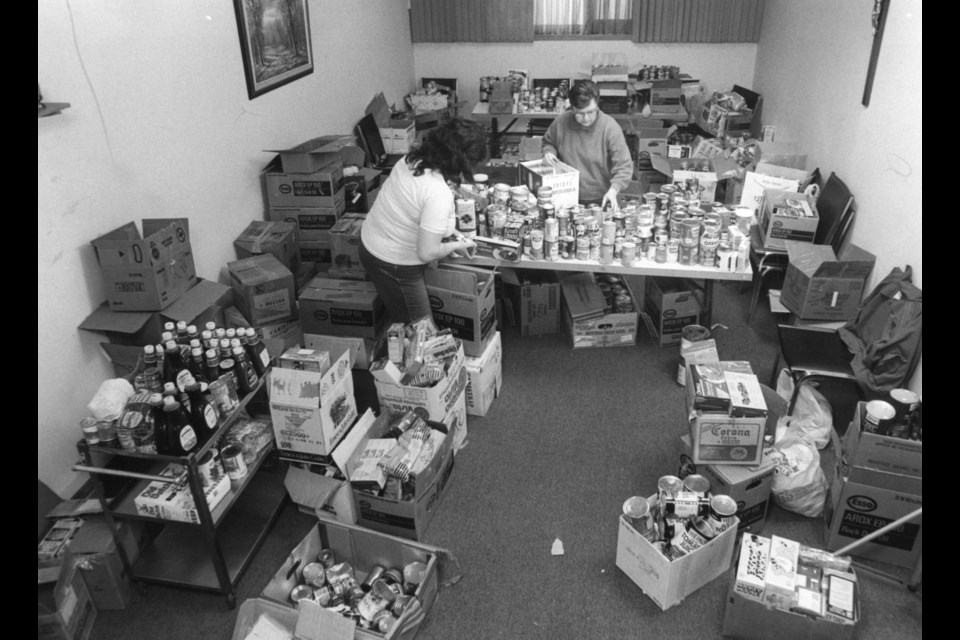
(494, 138)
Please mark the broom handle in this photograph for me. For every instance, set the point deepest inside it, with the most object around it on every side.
(878, 532)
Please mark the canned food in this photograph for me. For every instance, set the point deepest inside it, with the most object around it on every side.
(233, 462)
(375, 574)
(341, 573)
(327, 558)
(696, 483)
(383, 621)
(90, 431)
(413, 576)
(568, 247)
(685, 504)
(878, 417)
(668, 486)
(392, 576)
(723, 512)
(324, 596)
(905, 404)
(628, 253)
(300, 592)
(636, 511)
(583, 248)
(377, 599)
(314, 574)
(400, 604)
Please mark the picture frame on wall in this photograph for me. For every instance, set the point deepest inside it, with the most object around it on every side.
(275, 42)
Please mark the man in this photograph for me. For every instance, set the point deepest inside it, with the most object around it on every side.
(593, 143)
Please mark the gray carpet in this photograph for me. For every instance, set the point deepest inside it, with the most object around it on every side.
(573, 434)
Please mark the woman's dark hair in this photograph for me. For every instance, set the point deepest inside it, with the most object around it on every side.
(582, 93)
(453, 149)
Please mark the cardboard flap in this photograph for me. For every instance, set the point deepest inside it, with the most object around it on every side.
(294, 388)
(181, 226)
(323, 282)
(103, 319)
(583, 297)
(322, 144)
(768, 169)
(808, 257)
(380, 110)
(859, 263)
(124, 358)
(353, 442)
(308, 488)
(452, 279)
(318, 623)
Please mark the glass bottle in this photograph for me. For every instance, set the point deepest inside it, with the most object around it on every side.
(229, 368)
(210, 326)
(203, 412)
(182, 439)
(173, 363)
(160, 434)
(212, 367)
(197, 365)
(257, 352)
(182, 332)
(225, 349)
(169, 327)
(246, 375)
(192, 333)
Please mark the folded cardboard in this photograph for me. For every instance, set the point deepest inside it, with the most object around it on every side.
(484, 378)
(582, 300)
(562, 178)
(787, 215)
(341, 307)
(66, 611)
(462, 300)
(671, 306)
(313, 155)
(264, 289)
(397, 134)
(363, 550)
(203, 302)
(749, 486)
(537, 300)
(360, 349)
(319, 494)
(321, 188)
(821, 286)
(439, 400)
(259, 618)
(277, 238)
(582, 297)
(668, 582)
(148, 272)
(885, 454)
(854, 510)
(311, 412)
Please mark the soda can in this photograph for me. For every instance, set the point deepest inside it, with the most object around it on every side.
(723, 511)
(375, 574)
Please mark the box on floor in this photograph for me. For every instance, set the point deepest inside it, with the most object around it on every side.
(341, 307)
(536, 297)
(462, 299)
(363, 550)
(584, 318)
(264, 289)
(667, 582)
(275, 237)
(148, 272)
(65, 611)
(882, 453)
(670, 306)
(96, 549)
(819, 285)
(484, 378)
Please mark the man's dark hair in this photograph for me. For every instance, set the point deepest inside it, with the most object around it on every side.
(453, 149)
(582, 93)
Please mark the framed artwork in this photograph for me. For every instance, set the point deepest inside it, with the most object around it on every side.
(275, 42)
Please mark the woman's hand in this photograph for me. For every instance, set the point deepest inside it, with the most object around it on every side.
(464, 248)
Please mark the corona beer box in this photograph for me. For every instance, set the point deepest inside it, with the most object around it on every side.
(719, 438)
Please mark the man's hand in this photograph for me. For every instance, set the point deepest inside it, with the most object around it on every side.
(550, 158)
(610, 197)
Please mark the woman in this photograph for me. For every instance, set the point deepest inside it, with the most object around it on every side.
(592, 142)
(413, 217)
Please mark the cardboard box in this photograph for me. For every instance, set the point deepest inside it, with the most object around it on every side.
(312, 223)
(321, 188)
(537, 299)
(318, 494)
(318, 253)
(755, 184)
(679, 169)
(668, 582)
(264, 289)
(562, 178)
(719, 121)
(884, 454)
(149, 272)
(345, 242)
(398, 135)
(315, 154)
(362, 549)
(277, 238)
(174, 500)
(66, 610)
(751, 619)
(361, 189)
(501, 98)
(361, 350)
(280, 336)
(261, 616)
(341, 307)
(584, 320)
(651, 142)
(749, 486)
(484, 378)
(110, 588)
(439, 400)
(462, 299)
(821, 286)
(718, 438)
(778, 223)
(671, 306)
(311, 412)
(665, 93)
(404, 518)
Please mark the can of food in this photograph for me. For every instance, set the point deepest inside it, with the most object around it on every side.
(708, 250)
(905, 404)
(354, 595)
(233, 463)
(685, 504)
(400, 604)
(326, 557)
(628, 254)
(668, 486)
(696, 483)
(595, 247)
(690, 334)
(551, 230)
(210, 467)
(300, 592)
(536, 244)
(377, 599)
(878, 417)
(314, 574)
(383, 621)
(107, 433)
(91, 434)
(660, 252)
(685, 253)
(341, 573)
(723, 512)
(606, 253)
(551, 250)
(568, 247)
(323, 596)
(413, 576)
(636, 511)
(393, 576)
(583, 248)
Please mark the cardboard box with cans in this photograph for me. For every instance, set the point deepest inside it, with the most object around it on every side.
(320, 188)
(592, 317)
(536, 299)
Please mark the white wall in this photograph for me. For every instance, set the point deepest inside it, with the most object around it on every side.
(160, 125)
(811, 68)
(719, 66)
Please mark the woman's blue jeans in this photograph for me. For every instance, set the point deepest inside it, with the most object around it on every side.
(401, 287)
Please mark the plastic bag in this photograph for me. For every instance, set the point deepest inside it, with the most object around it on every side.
(799, 484)
(110, 400)
(811, 413)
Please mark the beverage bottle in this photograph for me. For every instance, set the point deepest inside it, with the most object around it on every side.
(212, 368)
(205, 337)
(192, 333)
(182, 333)
(246, 375)
(182, 439)
(210, 326)
(197, 365)
(203, 412)
(167, 336)
(158, 350)
(226, 350)
(257, 351)
(231, 334)
(229, 368)
(160, 436)
(172, 390)
(220, 333)
(173, 364)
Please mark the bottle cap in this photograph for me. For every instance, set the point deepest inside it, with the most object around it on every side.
(149, 349)
(156, 399)
(196, 352)
(238, 351)
(171, 345)
(211, 353)
(192, 328)
(169, 326)
(166, 335)
(181, 325)
(235, 342)
(211, 325)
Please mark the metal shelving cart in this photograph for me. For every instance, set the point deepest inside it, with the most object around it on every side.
(211, 554)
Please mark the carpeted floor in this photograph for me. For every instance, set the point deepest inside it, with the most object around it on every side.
(573, 434)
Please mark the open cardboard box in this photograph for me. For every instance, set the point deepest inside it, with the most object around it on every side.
(462, 299)
(313, 155)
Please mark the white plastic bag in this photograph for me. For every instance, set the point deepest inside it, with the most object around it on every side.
(111, 398)
(812, 411)
(799, 484)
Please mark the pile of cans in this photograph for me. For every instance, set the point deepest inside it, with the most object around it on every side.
(374, 601)
(682, 516)
(672, 225)
(662, 72)
(549, 99)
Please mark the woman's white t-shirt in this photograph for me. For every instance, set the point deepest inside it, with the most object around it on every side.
(407, 203)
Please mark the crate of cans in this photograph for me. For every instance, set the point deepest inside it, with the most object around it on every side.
(677, 540)
(343, 578)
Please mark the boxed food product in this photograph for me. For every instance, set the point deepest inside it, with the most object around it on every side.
(881, 453)
(66, 610)
(670, 306)
(589, 322)
(320, 188)
(341, 307)
(174, 500)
